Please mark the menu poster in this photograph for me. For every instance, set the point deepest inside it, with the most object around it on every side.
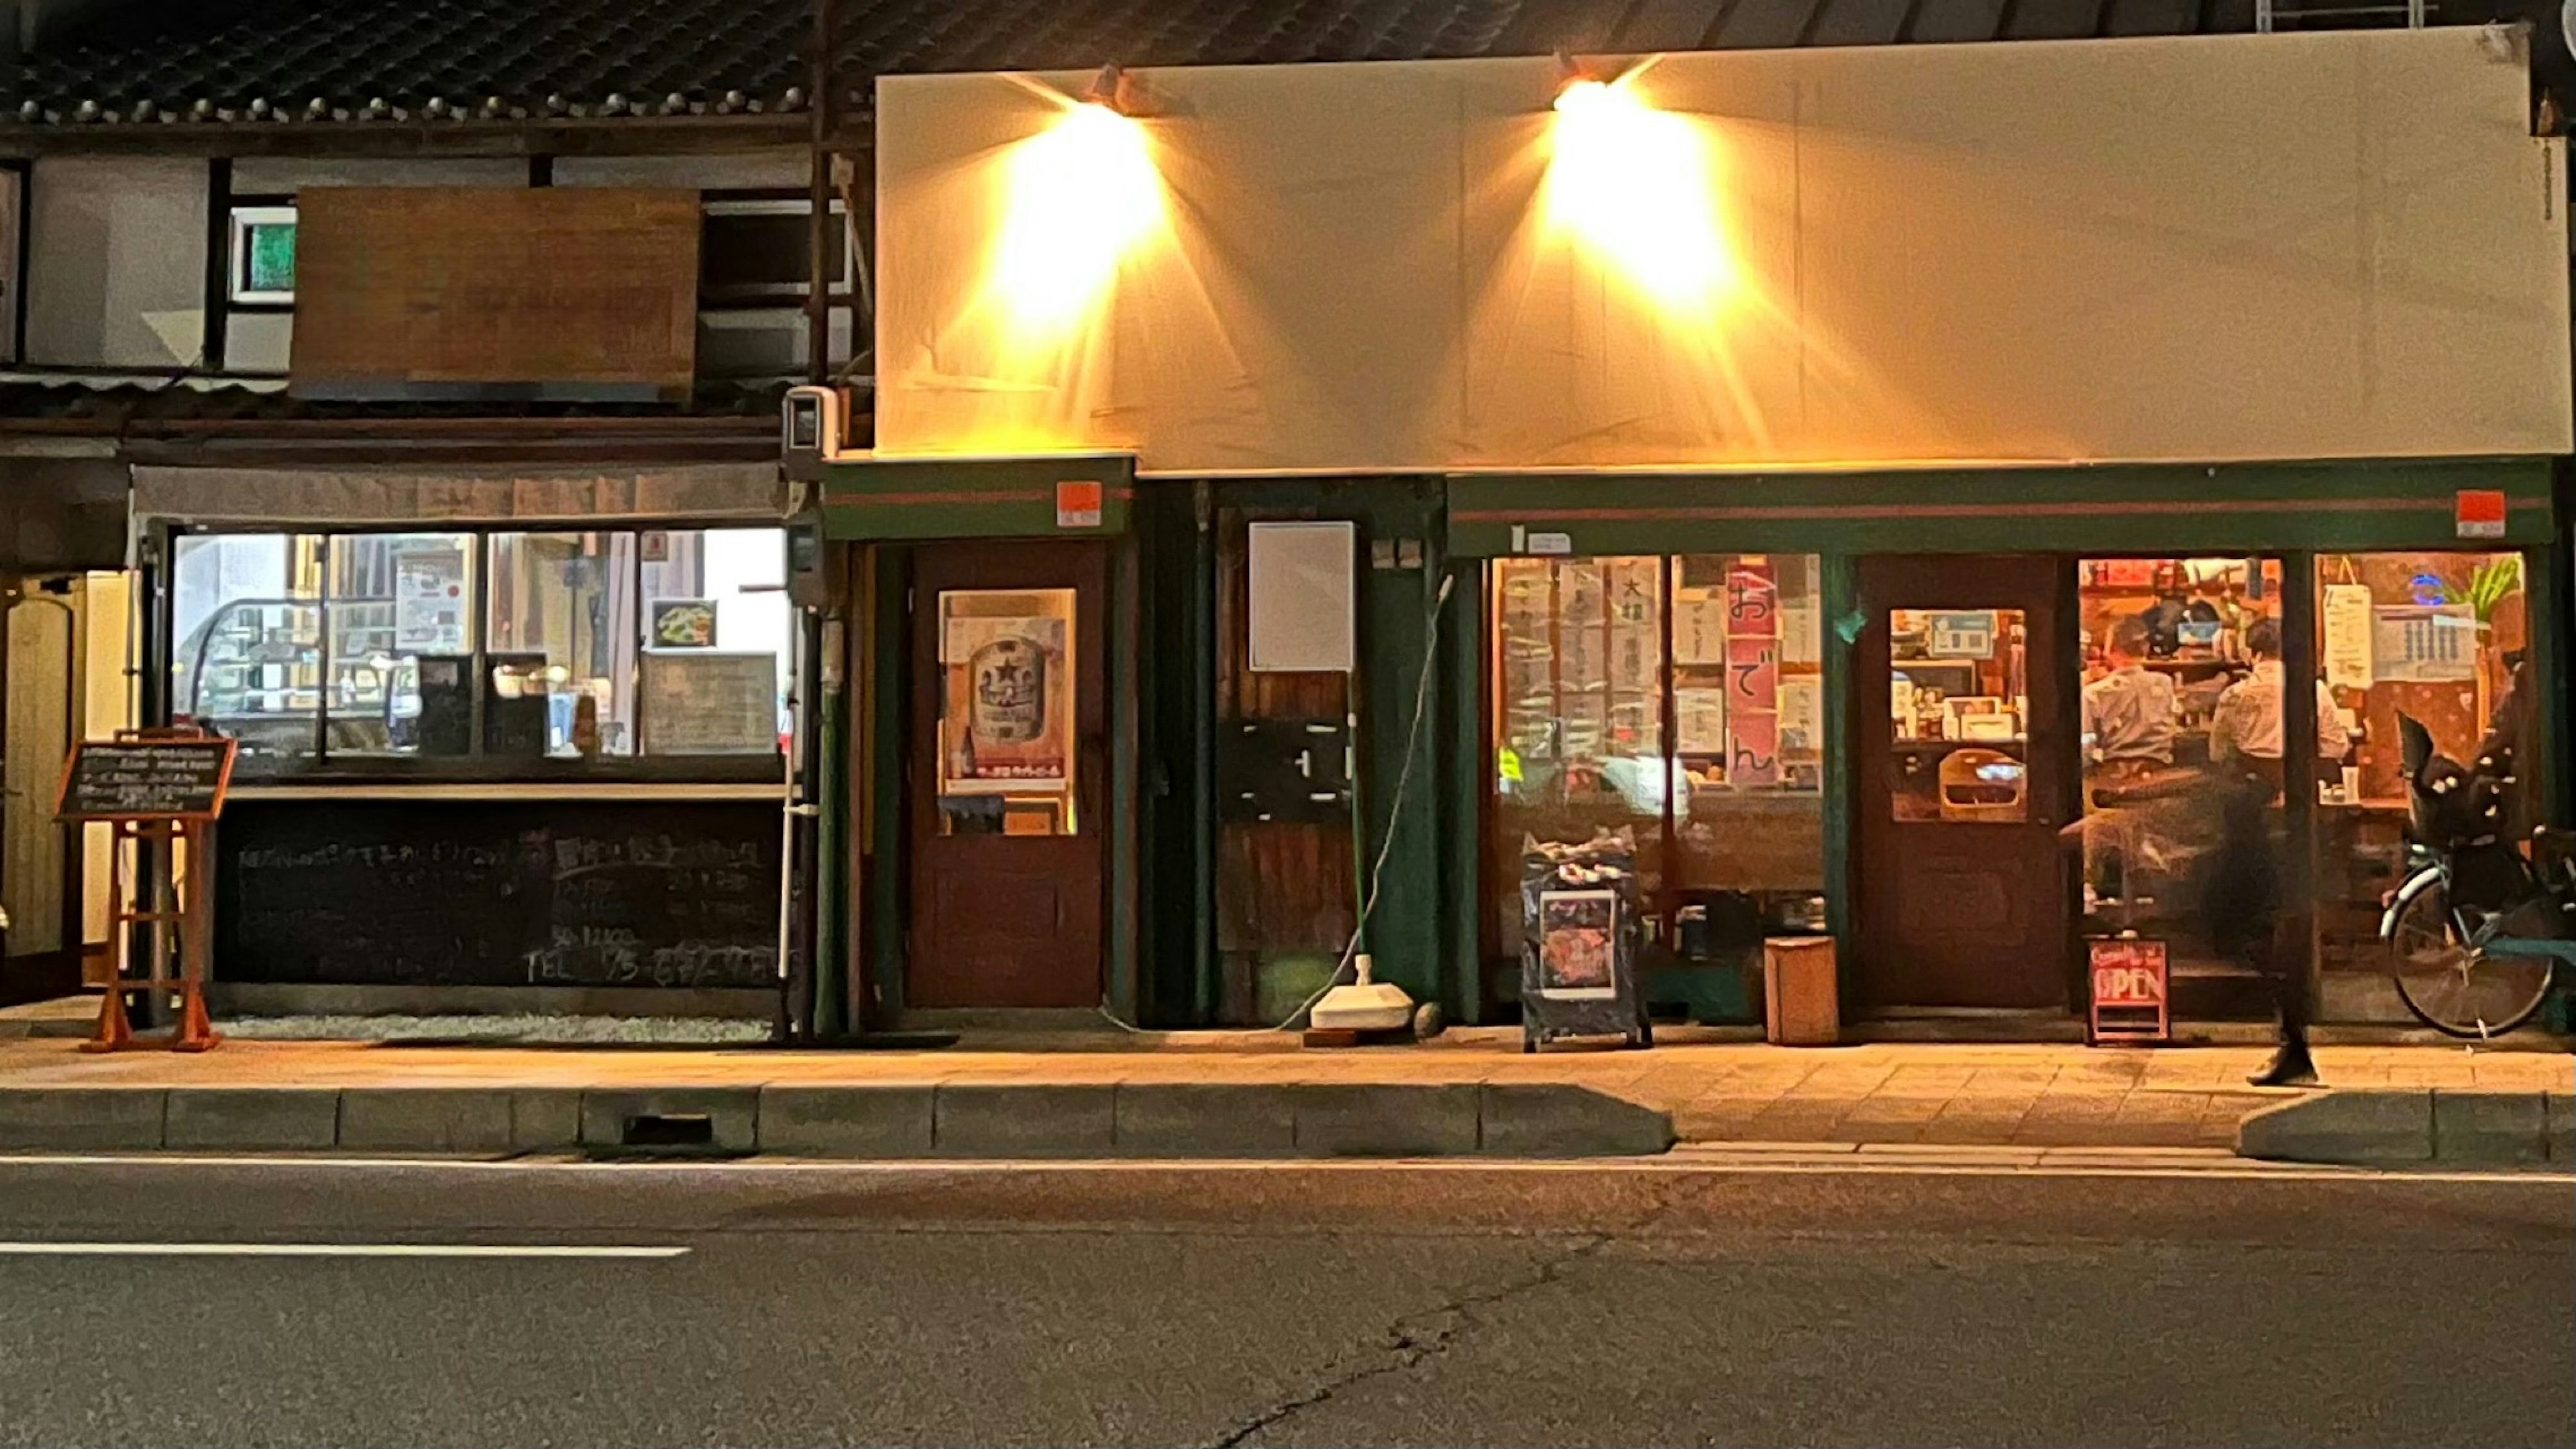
(1752, 598)
(429, 599)
(1753, 751)
(1753, 674)
(1699, 627)
(1007, 724)
(2347, 622)
(1578, 936)
(1700, 720)
(2425, 644)
(1800, 698)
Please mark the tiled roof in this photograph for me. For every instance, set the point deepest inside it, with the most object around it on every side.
(114, 407)
(324, 61)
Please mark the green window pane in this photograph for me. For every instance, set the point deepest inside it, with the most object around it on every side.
(272, 258)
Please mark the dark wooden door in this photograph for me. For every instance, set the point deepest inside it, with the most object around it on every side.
(1963, 888)
(1006, 786)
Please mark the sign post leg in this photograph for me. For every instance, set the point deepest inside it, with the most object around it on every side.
(115, 1030)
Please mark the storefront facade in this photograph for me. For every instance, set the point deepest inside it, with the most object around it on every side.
(1794, 551)
(510, 740)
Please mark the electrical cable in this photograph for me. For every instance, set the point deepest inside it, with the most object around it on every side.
(1394, 807)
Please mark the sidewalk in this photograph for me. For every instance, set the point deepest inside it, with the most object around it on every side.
(1236, 1094)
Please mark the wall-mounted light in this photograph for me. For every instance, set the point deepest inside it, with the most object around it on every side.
(1080, 197)
(1637, 187)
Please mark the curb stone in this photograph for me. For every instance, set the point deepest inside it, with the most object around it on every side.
(857, 1121)
(2390, 1127)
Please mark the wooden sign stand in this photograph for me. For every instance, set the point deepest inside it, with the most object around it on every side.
(172, 818)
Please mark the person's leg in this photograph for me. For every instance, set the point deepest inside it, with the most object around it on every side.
(2291, 1066)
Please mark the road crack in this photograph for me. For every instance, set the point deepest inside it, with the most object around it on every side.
(1426, 1334)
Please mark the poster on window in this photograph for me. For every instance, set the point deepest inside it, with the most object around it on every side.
(2425, 644)
(1753, 750)
(1006, 725)
(1699, 627)
(429, 600)
(682, 624)
(2347, 652)
(1578, 940)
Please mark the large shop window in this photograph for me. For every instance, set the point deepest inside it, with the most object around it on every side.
(487, 646)
(2182, 667)
(2443, 638)
(1677, 698)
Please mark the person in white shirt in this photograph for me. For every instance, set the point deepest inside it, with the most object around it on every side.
(2247, 725)
(2244, 904)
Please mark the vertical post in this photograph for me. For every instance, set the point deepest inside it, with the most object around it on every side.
(818, 191)
(2297, 928)
(219, 264)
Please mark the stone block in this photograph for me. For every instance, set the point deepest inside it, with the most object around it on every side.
(425, 1119)
(1002, 1119)
(1560, 1119)
(615, 1119)
(81, 1119)
(2490, 1127)
(2560, 1131)
(1205, 1119)
(2370, 1127)
(863, 1121)
(1388, 1120)
(545, 1119)
(252, 1119)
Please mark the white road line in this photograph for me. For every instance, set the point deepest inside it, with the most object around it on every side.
(329, 1250)
(1697, 1160)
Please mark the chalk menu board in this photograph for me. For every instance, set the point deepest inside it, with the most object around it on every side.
(145, 779)
(670, 894)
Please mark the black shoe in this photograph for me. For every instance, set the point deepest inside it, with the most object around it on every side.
(2289, 1067)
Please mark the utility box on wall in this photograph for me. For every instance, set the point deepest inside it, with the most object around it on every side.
(1304, 597)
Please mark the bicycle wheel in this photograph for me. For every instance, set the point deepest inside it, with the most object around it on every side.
(2452, 986)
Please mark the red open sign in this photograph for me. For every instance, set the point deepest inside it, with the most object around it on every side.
(2132, 986)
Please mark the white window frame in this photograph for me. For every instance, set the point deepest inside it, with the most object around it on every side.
(237, 264)
(800, 206)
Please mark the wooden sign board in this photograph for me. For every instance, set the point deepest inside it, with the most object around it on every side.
(146, 780)
(428, 292)
(2132, 990)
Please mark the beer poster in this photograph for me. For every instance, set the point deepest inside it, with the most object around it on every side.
(1007, 725)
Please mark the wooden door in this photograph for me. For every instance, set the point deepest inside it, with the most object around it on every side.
(1006, 782)
(1964, 890)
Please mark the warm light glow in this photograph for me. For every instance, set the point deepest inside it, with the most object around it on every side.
(1080, 196)
(1638, 187)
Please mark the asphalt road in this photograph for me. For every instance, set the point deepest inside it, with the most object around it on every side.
(1284, 1305)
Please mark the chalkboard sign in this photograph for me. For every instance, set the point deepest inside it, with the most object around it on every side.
(667, 894)
(145, 779)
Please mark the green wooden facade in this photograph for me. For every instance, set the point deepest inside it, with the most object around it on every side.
(1162, 967)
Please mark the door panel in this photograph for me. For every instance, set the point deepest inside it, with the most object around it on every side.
(1965, 770)
(1005, 786)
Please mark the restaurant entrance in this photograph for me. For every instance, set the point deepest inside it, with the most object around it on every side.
(1967, 765)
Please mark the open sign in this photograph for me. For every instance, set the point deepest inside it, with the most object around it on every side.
(2131, 990)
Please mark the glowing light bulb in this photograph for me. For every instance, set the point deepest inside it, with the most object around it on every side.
(1081, 195)
(1637, 187)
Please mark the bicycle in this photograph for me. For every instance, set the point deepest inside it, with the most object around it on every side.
(2477, 929)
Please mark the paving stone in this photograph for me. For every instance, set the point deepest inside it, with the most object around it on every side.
(545, 1119)
(82, 1119)
(1036, 1119)
(425, 1119)
(2383, 1125)
(1517, 1119)
(252, 1119)
(1205, 1119)
(1368, 1121)
(2475, 1126)
(861, 1121)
